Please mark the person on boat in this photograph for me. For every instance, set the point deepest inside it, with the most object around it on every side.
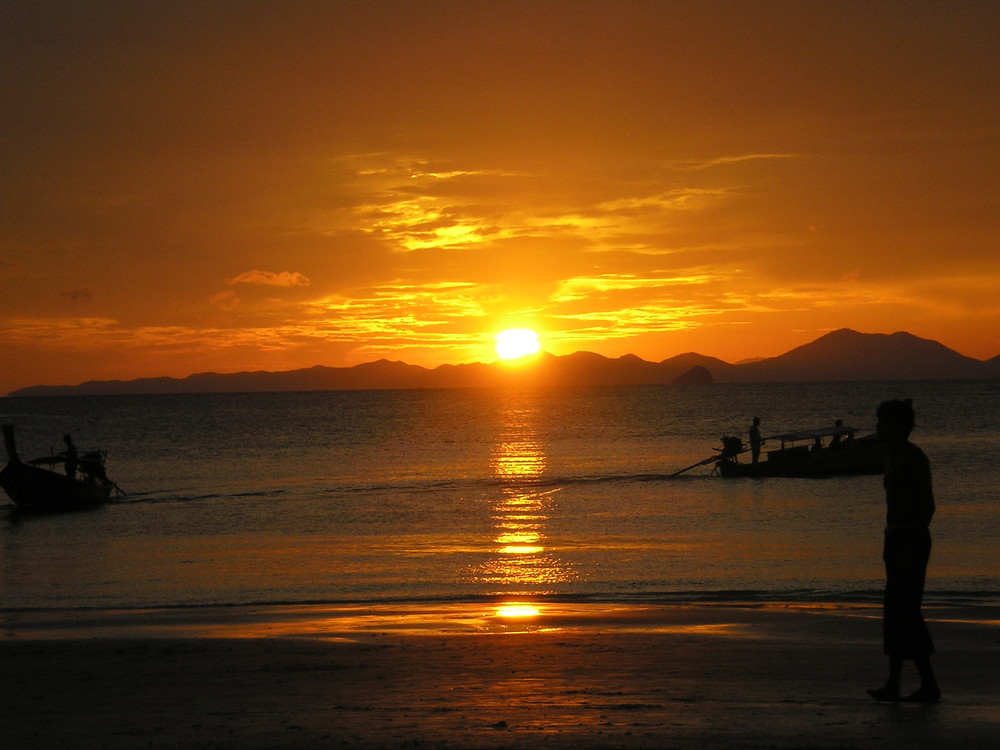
(835, 441)
(909, 499)
(71, 456)
(755, 440)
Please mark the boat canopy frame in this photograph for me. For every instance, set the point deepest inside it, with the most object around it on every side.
(800, 435)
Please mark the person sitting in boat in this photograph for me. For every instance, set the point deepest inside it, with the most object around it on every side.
(835, 441)
(71, 457)
(755, 440)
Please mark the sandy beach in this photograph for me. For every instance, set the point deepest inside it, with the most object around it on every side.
(476, 676)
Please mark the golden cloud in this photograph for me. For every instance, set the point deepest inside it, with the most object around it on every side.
(268, 278)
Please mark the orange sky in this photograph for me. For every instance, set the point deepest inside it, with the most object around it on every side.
(193, 186)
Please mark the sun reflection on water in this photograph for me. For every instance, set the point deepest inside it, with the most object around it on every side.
(521, 562)
(518, 459)
(517, 610)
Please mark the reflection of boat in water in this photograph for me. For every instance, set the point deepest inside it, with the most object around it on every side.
(37, 489)
(827, 452)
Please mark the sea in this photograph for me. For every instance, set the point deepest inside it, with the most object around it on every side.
(415, 496)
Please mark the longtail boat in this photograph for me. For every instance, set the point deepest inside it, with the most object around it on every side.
(824, 452)
(36, 487)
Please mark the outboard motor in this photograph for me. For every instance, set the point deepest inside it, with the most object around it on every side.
(731, 447)
(92, 467)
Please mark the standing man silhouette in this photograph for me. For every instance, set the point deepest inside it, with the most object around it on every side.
(71, 457)
(755, 440)
(909, 500)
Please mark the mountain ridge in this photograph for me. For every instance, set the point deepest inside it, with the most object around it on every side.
(841, 355)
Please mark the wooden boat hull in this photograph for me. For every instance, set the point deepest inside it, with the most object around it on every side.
(865, 458)
(36, 490)
(734, 469)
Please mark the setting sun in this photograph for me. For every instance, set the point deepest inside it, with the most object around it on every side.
(516, 342)
(397, 232)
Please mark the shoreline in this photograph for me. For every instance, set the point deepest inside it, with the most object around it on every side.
(470, 676)
(355, 619)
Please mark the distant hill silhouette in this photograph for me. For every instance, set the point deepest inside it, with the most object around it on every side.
(838, 356)
(849, 355)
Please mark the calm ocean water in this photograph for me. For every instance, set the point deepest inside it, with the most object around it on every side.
(456, 495)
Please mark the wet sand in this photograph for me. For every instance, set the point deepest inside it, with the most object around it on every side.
(474, 676)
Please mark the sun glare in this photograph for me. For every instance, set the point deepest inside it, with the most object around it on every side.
(516, 342)
(518, 610)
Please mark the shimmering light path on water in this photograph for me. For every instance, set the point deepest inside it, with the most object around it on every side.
(454, 496)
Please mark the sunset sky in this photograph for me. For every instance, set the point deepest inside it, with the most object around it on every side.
(193, 186)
